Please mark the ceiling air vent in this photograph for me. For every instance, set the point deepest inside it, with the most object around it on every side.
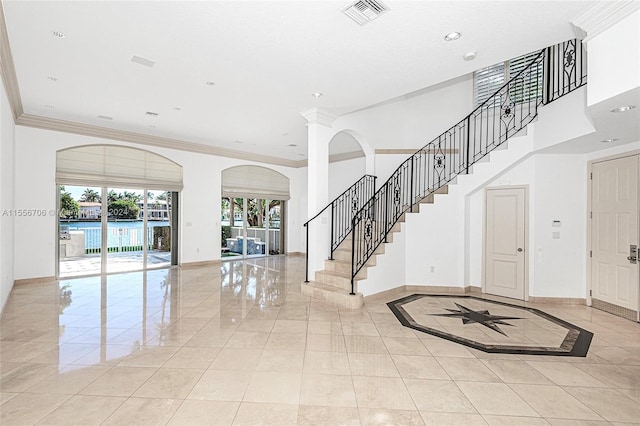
(365, 11)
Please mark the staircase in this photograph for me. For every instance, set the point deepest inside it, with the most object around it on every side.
(554, 72)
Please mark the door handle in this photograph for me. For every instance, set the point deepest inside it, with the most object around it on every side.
(519, 248)
(633, 254)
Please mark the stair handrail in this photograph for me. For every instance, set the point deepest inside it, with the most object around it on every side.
(363, 189)
(551, 82)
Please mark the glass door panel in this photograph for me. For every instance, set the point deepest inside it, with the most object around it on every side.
(232, 227)
(256, 228)
(276, 236)
(79, 230)
(158, 214)
(125, 230)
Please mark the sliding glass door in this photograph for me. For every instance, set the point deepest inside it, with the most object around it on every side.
(79, 230)
(137, 232)
(251, 227)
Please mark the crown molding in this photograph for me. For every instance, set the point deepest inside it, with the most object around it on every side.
(411, 151)
(10, 80)
(603, 15)
(8, 70)
(39, 122)
(319, 116)
(345, 156)
(335, 158)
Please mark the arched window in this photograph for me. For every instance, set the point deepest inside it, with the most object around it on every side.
(117, 166)
(254, 182)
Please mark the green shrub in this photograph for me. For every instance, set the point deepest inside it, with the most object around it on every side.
(226, 233)
(123, 209)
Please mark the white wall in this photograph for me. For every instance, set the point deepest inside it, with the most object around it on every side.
(343, 174)
(35, 187)
(413, 120)
(7, 144)
(390, 271)
(613, 59)
(560, 194)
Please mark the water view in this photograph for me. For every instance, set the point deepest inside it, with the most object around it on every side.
(119, 233)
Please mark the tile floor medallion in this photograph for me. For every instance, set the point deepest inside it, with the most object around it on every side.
(491, 326)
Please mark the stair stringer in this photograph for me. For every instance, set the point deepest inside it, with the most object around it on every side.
(408, 260)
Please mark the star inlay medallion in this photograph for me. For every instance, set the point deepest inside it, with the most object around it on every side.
(470, 316)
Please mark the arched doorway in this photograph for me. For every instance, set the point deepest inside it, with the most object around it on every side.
(347, 163)
(253, 212)
(117, 210)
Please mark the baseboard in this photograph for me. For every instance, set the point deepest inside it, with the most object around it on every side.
(403, 289)
(386, 294)
(296, 253)
(188, 265)
(434, 289)
(558, 300)
(615, 310)
(39, 280)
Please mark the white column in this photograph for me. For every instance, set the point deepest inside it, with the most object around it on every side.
(319, 135)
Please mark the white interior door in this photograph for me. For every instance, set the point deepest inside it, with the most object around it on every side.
(505, 234)
(614, 228)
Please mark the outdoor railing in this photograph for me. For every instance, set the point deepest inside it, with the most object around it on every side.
(118, 239)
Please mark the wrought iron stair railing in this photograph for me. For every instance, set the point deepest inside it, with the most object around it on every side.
(554, 72)
(343, 208)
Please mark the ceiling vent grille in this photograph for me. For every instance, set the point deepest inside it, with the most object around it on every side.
(365, 11)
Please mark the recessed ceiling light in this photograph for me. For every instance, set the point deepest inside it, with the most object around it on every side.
(105, 117)
(609, 140)
(151, 113)
(317, 95)
(54, 79)
(210, 83)
(624, 108)
(452, 36)
(58, 34)
(292, 144)
(469, 56)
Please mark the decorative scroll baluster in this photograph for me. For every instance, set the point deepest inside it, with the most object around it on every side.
(343, 209)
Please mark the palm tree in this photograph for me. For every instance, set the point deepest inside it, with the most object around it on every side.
(132, 196)
(113, 196)
(91, 196)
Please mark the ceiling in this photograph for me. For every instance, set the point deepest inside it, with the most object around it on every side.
(264, 58)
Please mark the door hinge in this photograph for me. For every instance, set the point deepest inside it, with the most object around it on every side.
(590, 292)
(590, 253)
(591, 176)
(590, 215)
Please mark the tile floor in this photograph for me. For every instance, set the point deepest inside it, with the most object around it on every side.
(238, 344)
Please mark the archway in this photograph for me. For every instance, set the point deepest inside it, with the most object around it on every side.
(347, 162)
(117, 209)
(253, 211)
